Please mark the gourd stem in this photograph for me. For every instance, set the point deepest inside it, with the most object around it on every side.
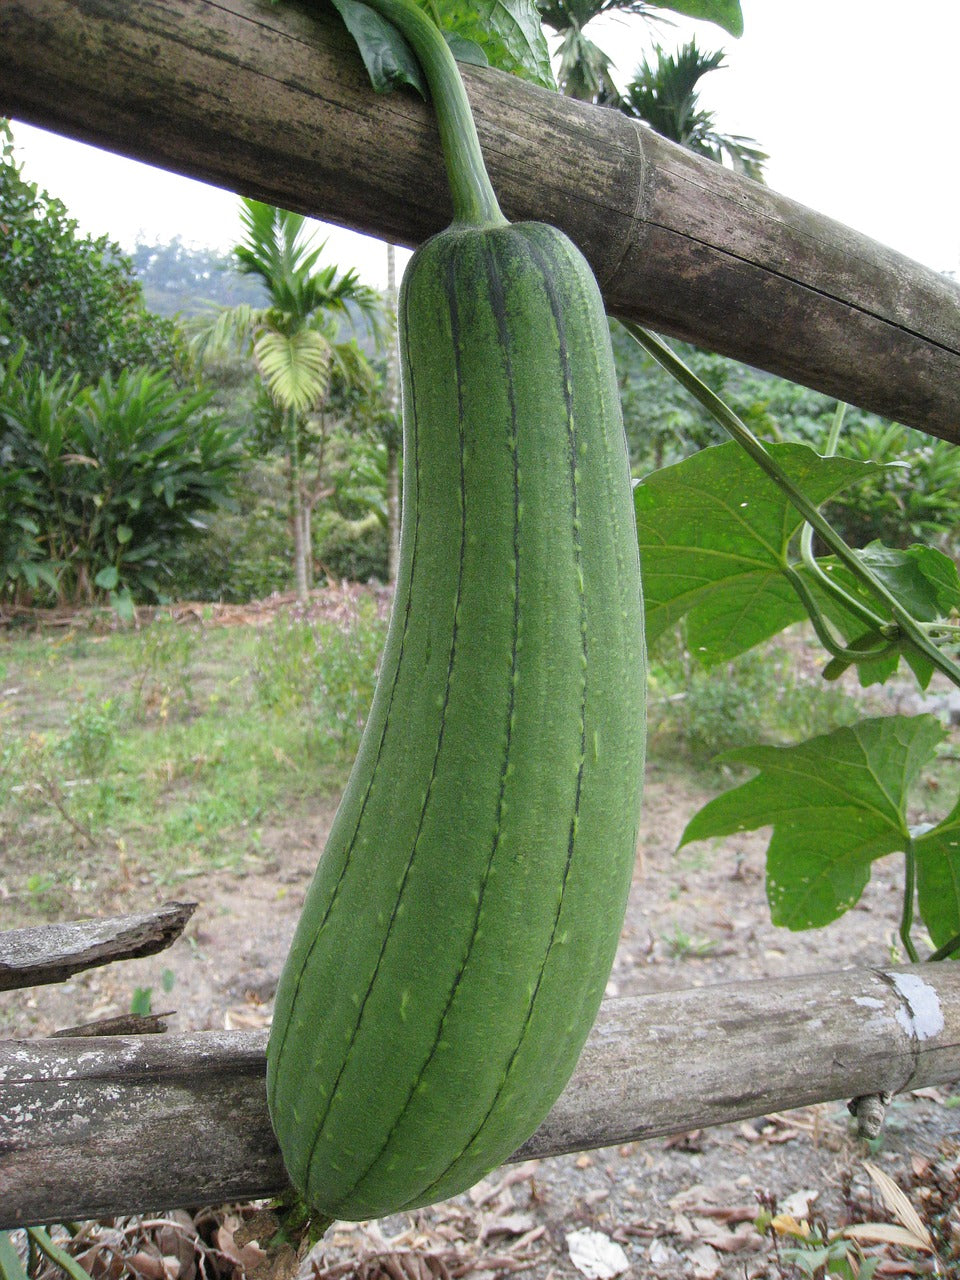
(474, 199)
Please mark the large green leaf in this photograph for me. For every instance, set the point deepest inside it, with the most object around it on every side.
(725, 13)
(714, 535)
(938, 877)
(504, 33)
(388, 58)
(508, 32)
(835, 803)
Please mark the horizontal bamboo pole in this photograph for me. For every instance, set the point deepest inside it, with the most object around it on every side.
(111, 1126)
(272, 101)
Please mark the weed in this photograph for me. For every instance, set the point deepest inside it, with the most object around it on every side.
(91, 736)
(683, 946)
(324, 668)
(141, 1002)
(760, 696)
(162, 687)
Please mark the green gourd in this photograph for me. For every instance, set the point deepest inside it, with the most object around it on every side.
(459, 932)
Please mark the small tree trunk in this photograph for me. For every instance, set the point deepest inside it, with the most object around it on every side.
(306, 539)
(296, 507)
(393, 404)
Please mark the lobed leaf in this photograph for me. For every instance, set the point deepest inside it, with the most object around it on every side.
(923, 579)
(835, 803)
(725, 13)
(714, 533)
(937, 853)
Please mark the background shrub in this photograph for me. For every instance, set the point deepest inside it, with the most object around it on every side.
(111, 481)
(352, 550)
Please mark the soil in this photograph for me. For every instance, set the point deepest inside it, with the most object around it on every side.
(681, 1207)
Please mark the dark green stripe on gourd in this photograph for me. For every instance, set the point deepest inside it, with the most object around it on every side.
(457, 937)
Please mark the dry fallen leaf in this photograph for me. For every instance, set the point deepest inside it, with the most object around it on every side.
(884, 1233)
(595, 1255)
(897, 1202)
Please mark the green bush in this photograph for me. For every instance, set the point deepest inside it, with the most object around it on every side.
(110, 481)
(916, 498)
(72, 302)
(352, 550)
(161, 662)
(90, 741)
(324, 668)
(245, 552)
(761, 696)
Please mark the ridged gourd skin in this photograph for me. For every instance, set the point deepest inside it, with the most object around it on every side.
(459, 932)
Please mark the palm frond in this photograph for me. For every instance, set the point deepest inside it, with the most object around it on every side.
(227, 328)
(295, 367)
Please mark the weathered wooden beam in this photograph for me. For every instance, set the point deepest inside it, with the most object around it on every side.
(272, 101)
(48, 953)
(91, 1128)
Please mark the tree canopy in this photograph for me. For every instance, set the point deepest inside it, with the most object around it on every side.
(72, 300)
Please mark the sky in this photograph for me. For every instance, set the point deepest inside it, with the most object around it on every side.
(855, 101)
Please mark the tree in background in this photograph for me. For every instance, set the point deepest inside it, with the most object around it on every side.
(664, 95)
(295, 341)
(72, 301)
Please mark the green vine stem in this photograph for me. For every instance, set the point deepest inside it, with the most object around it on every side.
(909, 895)
(474, 199)
(906, 629)
(947, 950)
(844, 655)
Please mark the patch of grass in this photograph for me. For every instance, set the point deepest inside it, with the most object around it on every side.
(156, 752)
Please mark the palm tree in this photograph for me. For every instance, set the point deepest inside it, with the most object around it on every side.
(294, 338)
(664, 95)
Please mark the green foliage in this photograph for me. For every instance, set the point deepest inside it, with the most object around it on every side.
(502, 33)
(664, 94)
(88, 746)
(244, 553)
(322, 669)
(714, 526)
(72, 301)
(585, 71)
(352, 550)
(743, 578)
(296, 345)
(141, 1002)
(734, 528)
(111, 480)
(915, 498)
(837, 802)
(760, 695)
(161, 664)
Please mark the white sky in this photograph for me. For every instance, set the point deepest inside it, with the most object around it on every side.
(856, 102)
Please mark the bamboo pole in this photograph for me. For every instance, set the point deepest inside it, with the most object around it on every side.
(111, 1126)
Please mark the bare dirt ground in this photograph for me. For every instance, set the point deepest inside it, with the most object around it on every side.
(679, 1207)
